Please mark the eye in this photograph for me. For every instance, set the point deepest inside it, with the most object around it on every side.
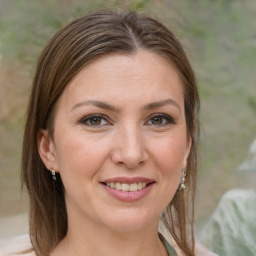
(94, 120)
(160, 120)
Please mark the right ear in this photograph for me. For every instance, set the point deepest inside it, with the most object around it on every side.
(46, 149)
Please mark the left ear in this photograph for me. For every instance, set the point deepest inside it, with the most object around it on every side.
(187, 151)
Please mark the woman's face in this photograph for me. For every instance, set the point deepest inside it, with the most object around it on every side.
(120, 141)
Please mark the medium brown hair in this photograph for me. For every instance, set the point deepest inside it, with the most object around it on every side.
(70, 50)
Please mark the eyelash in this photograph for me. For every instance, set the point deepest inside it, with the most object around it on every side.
(88, 118)
(168, 120)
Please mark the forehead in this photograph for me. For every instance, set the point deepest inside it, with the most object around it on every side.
(141, 75)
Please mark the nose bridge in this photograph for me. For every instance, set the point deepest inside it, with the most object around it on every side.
(132, 139)
(130, 148)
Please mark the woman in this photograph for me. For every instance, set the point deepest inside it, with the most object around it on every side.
(110, 140)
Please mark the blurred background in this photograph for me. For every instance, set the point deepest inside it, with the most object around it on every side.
(219, 37)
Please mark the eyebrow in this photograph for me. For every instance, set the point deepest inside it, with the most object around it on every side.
(99, 104)
(161, 104)
(104, 105)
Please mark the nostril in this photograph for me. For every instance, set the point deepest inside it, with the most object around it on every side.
(129, 157)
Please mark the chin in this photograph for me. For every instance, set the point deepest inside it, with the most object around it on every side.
(131, 221)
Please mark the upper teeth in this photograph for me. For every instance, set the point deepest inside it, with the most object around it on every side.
(127, 187)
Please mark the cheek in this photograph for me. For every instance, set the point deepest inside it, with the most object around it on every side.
(168, 159)
(80, 155)
(169, 154)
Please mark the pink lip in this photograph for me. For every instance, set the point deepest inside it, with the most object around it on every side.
(128, 180)
(130, 196)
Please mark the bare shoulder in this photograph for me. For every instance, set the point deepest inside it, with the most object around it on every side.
(18, 245)
(202, 251)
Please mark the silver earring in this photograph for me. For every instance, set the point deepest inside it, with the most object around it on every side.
(182, 182)
(53, 174)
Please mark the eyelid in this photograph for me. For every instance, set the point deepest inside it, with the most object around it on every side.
(170, 120)
(84, 119)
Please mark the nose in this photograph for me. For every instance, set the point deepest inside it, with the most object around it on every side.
(129, 148)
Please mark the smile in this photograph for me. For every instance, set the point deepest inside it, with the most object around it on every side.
(127, 187)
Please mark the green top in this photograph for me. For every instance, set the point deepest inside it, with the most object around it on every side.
(168, 247)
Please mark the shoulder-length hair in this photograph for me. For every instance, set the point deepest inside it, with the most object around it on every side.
(70, 50)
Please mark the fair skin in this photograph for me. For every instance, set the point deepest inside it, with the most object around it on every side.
(137, 136)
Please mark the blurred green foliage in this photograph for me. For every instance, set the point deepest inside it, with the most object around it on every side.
(32, 23)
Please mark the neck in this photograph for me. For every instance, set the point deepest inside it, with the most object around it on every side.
(88, 238)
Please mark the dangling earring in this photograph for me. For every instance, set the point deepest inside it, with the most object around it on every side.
(53, 174)
(182, 182)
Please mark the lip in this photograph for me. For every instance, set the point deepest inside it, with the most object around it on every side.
(128, 180)
(128, 196)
